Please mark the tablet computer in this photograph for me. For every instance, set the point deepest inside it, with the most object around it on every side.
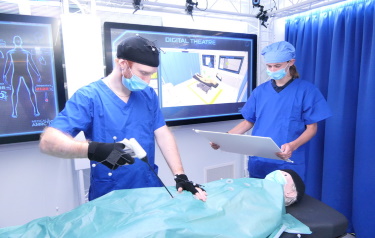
(243, 144)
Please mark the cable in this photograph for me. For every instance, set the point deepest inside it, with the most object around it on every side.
(141, 154)
(145, 160)
(202, 9)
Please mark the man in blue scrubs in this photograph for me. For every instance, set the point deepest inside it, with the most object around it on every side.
(285, 108)
(119, 106)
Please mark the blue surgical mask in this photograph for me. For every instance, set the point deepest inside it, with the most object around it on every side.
(276, 176)
(134, 83)
(277, 75)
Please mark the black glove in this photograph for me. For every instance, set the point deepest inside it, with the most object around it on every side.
(183, 182)
(109, 154)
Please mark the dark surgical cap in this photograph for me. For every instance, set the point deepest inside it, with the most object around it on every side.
(139, 50)
(278, 52)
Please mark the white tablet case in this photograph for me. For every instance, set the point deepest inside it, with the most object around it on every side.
(243, 144)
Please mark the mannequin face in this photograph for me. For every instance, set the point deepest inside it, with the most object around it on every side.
(286, 180)
(289, 187)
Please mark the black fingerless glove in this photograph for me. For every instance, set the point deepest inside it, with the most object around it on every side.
(109, 154)
(183, 182)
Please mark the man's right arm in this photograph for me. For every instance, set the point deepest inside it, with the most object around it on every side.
(56, 143)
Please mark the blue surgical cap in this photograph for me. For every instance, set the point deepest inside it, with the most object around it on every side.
(278, 52)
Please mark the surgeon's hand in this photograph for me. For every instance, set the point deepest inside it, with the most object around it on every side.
(111, 155)
(287, 151)
(183, 183)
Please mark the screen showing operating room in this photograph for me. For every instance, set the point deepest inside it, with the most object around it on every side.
(202, 74)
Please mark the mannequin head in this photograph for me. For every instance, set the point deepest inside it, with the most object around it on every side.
(294, 187)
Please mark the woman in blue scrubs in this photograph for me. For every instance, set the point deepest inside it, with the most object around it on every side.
(117, 107)
(285, 108)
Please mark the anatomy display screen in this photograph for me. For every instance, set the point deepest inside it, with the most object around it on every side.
(31, 84)
(203, 75)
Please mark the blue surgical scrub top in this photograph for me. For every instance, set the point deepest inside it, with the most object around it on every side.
(283, 116)
(98, 112)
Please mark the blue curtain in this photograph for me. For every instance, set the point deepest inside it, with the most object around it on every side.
(335, 49)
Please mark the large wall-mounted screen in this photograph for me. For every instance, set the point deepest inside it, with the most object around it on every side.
(203, 75)
(32, 83)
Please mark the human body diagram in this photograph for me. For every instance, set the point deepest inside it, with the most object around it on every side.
(17, 68)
